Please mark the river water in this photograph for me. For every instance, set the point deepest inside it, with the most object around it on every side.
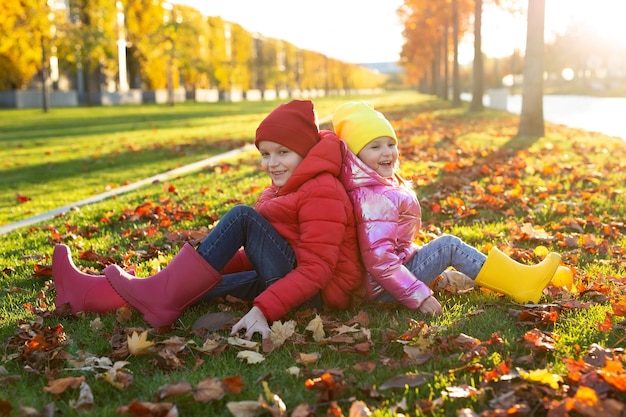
(596, 114)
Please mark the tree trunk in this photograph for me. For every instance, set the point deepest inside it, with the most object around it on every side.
(478, 88)
(531, 117)
(456, 78)
(446, 63)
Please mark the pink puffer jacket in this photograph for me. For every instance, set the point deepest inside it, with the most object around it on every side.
(388, 217)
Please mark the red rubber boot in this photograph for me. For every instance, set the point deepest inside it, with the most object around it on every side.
(162, 297)
(84, 292)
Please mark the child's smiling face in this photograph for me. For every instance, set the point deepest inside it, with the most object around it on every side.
(278, 161)
(381, 154)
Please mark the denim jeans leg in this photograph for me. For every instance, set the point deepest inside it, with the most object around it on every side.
(244, 285)
(445, 251)
(242, 226)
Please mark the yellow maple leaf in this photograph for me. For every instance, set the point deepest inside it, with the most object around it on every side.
(139, 344)
(543, 376)
(317, 327)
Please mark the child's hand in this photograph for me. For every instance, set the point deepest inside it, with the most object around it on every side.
(431, 306)
(253, 322)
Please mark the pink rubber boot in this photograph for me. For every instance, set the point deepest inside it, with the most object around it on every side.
(162, 297)
(84, 292)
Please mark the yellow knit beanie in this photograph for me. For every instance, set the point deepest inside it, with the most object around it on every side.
(357, 123)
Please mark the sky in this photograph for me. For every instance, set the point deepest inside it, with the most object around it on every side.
(367, 31)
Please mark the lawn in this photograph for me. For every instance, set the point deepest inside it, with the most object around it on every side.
(562, 193)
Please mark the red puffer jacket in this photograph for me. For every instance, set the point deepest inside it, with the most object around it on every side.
(313, 213)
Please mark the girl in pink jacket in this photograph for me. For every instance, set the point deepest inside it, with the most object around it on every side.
(388, 217)
(299, 241)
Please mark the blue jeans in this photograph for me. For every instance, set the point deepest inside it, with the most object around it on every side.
(438, 255)
(269, 253)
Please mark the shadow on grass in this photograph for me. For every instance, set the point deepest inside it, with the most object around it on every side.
(104, 168)
(70, 122)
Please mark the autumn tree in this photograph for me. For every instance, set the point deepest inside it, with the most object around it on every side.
(427, 28)
(531, 117)
(478, 76)
(25, 30)
(144, 23)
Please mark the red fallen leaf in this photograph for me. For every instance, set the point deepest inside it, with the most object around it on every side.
(607, 324)
(539, 341)
(502, 368)
(233, 384)
(148, 409)
(42, 270)
(5, 408)
(576, 368)
(21, 198)
(322, 383)
(613, 373)
(618, 305)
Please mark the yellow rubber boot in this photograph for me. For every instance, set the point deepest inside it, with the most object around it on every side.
(523, 283)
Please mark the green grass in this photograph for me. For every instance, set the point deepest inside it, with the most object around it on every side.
(64, 156)
(473, 180)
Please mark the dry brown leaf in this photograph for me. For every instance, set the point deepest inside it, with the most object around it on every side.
(85, 398)
(208, 389)
(359, 409)
(174, 389)
(244, 408)
(58, 386)
(308, 358)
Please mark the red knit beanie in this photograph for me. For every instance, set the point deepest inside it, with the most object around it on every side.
(293, 125)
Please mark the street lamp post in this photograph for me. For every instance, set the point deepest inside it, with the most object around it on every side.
(121, 48)
(167, 19)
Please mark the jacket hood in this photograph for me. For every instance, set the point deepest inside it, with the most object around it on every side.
(325, 157)
(355, 174)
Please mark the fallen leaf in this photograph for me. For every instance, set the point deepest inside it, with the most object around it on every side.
(85, 398)
(250, 356)
(58, 386)
(316, 326)
(173, 389)
(208, 389)
(139, 344)
(542, 376)
(244, 408)
(281, 332)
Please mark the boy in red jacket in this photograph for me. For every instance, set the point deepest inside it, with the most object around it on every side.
(300, 239)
